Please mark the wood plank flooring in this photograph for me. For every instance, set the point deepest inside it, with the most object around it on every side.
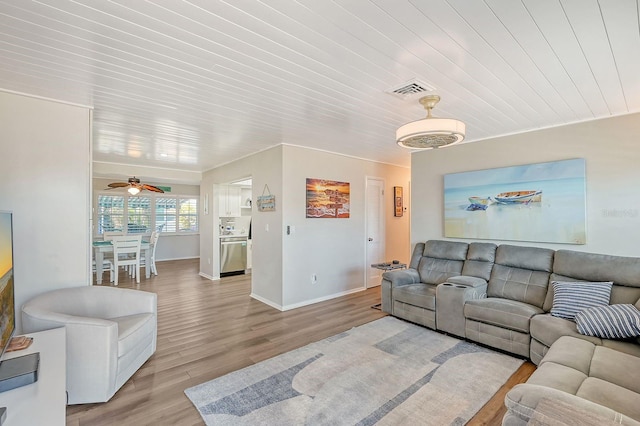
(209, 328)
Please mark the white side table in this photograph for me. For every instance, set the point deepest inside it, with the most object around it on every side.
(43, 402)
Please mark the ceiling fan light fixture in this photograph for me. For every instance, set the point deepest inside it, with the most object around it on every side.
(134, 186)
(430, 132)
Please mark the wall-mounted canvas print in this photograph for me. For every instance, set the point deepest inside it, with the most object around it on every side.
(327, 198)
(543, 202)
(398, 206)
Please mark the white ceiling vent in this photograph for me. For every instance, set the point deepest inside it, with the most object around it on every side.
(410, 89)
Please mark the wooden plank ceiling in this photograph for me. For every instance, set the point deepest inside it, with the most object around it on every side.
(191, 85)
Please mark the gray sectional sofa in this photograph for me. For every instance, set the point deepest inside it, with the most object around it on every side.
(502, 296)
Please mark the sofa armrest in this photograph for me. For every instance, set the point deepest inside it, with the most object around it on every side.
(467, 281)
(92, 349)
(450, 300)
(527, 401)
(401, 277)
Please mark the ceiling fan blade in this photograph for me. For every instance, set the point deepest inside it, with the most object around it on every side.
(118, 185)
(151, 188)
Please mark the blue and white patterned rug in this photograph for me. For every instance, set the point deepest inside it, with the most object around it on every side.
(386, 372)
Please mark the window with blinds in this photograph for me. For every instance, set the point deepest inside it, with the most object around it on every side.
(141, 214)
(110, 211)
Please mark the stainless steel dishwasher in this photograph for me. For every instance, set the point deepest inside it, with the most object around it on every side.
(233, 255)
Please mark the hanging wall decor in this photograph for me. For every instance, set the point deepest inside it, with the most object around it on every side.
(266, 202)
(543, 202)
(327, 199)
(398, 202)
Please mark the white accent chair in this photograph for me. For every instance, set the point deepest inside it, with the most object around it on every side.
(126, 252)
(111, 332)
(151, 263)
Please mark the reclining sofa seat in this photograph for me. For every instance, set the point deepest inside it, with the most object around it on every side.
(516, 292)
(411, 294)
(573, 266)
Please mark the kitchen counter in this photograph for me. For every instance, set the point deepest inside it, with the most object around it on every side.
(224, 237)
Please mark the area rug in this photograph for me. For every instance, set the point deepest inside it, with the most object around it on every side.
(386, 372)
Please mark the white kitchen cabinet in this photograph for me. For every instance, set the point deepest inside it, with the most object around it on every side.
(230, 201)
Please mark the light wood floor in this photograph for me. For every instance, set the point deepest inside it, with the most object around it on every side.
(209, 328)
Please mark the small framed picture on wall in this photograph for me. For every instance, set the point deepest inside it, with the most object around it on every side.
(397, 201)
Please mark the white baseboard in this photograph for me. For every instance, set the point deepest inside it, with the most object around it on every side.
(266, 301)
(178, 258)
(209, 277)
(322, 299)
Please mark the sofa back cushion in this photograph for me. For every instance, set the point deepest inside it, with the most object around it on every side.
(521, 274)
(569, 265)
(416, 255)
(479, 261)
(441, 260)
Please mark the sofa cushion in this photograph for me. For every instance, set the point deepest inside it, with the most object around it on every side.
(132, 330)
(614, 367)
(611, 321)
(612, 396)
(437, 271)
(441, 260)
(509, 314)
(523, 285)
(546, 329)
(521, 273)
(422, 295)
(451, 250)
(629, 346)
(571, 297)
(480, 259)
(571, 352)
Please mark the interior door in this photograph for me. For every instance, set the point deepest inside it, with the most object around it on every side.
(375, 244)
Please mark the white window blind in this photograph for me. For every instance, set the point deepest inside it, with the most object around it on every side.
(138, 215)
(110, 210)
(144, 213)
(166, 214)
(188, 215)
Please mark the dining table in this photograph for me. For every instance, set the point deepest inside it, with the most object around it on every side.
(102, 247)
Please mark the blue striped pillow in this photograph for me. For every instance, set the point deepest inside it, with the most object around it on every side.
(571, 297)
(609, 322)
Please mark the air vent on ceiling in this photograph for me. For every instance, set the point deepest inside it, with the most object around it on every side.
(410, 88)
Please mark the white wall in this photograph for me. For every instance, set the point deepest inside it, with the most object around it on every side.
(171, 246)
(45, 178)
(264, 168)
(334, 249)
(610, 147)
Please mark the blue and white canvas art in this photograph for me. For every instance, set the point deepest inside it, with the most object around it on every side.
(543, 202)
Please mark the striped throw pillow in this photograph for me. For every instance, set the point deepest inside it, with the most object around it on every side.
(609, 322)
(571, 297)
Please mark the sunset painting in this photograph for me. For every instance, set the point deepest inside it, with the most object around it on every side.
(327, 199)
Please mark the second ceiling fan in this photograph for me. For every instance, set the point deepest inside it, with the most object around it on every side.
(134, 186)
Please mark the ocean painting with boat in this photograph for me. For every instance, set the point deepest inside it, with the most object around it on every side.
(542, 202)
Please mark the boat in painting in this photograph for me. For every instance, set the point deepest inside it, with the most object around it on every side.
(478, 203)
(519, 197)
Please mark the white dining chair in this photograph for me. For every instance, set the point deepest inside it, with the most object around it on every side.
(151, 263)
(126, 252)
(108, 235)
(107, 265)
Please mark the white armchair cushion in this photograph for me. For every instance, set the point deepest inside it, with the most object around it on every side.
(110, 331)
(132, 330)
